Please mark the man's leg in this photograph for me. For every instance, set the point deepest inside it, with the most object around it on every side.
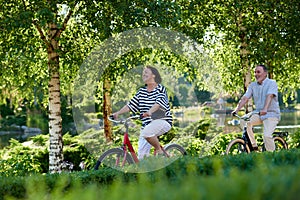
(269, 127)
(255, 120)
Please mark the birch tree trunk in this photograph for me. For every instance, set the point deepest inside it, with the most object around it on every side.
(55, 120)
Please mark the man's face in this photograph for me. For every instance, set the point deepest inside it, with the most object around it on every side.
(260, 74)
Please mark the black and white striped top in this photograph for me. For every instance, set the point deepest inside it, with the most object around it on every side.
(144, 100)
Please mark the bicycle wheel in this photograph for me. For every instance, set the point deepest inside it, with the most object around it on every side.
(175, 150)
(114, 158)
(237, 146)
(280, 143)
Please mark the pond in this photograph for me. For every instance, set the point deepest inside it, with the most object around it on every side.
(5, 137)
(290, 120)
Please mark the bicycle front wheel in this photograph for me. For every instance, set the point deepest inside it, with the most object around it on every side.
(115, 158)
(175, 150)
(237, 146)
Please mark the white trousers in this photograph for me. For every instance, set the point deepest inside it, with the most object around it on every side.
(155, 128)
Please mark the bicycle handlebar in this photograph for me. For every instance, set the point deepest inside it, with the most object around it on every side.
(246, 116)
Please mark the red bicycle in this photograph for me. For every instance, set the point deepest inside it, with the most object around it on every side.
(125, 155)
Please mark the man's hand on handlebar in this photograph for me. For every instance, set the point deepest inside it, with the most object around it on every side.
(234, 113)
(262, 112)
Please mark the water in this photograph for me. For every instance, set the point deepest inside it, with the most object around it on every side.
(5, 137)
(290, 120)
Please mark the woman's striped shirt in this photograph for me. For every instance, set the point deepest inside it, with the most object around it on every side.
(144, 100)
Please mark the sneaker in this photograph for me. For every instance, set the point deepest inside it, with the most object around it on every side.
(255, 149)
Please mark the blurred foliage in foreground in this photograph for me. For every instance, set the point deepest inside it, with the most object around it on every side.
(252, 176)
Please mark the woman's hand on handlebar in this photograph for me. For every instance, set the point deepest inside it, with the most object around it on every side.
(115, 115)
(146, 114)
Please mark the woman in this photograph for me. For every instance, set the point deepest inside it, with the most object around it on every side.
(152, 102)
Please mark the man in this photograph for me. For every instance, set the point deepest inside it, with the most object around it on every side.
(264, 92)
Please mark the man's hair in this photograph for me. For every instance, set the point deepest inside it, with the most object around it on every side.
(264, 67)
(154, 71)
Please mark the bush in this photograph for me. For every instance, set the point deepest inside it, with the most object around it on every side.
(248, 176)
(198, 129)
(32, 157)
(294, 140)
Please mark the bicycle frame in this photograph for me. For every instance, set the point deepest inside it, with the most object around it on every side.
(246, 138)
(245, 135)
(127, 144)
(119, 156)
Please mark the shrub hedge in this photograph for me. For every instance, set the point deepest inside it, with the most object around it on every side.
(252, 176)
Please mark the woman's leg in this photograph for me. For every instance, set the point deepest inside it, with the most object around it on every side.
(153, 130)
(155, 143)
(144, 148)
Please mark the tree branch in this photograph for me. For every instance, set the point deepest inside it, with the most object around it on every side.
(42, 35)
(59, 31)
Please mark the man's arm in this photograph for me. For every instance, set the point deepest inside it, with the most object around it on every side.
(241, 103)
(267, 104)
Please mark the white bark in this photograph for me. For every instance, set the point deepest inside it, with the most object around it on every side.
(55, 121)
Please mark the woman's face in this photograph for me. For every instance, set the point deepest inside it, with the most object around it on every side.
(148, 76)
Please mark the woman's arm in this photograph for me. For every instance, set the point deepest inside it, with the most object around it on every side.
(121, 111)
(154, 108)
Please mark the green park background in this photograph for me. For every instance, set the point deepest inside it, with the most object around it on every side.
(43, 46)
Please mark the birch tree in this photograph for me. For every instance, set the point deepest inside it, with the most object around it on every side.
(43, 43)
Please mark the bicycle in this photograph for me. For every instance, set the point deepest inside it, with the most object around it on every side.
(243, 145)
(125, 155)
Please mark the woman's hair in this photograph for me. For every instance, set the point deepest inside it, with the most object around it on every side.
(154, 71)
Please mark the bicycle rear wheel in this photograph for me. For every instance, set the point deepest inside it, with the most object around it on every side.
(237, 146)
(114, 158)
(280, 143)
(175, 150)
